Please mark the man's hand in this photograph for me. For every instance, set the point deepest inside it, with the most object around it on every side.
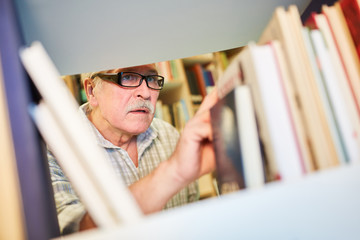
(194, 154)
(193, 157)
(86, 223)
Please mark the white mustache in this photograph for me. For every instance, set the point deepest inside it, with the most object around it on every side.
(140, 104)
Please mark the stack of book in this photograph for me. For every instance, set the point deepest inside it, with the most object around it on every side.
(302, 80)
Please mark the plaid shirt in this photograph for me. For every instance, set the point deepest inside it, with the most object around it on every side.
(155, 145)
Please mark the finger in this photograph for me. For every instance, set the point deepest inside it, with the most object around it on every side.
(208, 158)
(200, 131)
(199, 121)
(209, 100)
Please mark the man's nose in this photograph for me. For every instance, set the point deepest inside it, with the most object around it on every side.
(143, 90)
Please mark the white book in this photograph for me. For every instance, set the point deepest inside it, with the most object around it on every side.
(344, 111)
(262, 73)
(325, 97)
(295, 110)
(249, 138)
(339, 70)
(90, 158)
(346, 47)
(68, 159)
(285, 26)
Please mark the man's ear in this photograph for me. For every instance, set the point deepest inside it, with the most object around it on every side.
(89, 90)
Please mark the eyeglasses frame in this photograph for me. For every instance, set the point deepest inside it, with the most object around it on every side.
(110, 77)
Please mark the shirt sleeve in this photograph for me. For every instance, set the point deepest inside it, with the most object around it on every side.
(69, 208)
(169, 136)
(193, 193)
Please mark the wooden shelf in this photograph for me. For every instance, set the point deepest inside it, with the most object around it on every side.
(172, 92)
(202, 59)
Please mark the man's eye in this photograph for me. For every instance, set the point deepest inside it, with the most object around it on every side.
(151, 79)
(128, 77)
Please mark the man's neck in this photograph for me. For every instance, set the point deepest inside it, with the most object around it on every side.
(128, 142)
(115, 136)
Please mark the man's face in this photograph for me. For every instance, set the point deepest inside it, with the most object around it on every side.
(125, 108)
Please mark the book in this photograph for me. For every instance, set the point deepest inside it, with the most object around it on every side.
(164, 69)
(179, 68)
(286, 27)
(11, 210)
(351, 10)
(348, 127)
(222, 63)
(346, 48)
(293, 108)
(178, 112)
(166, 113)
(86, 187)
(193, 85)
(254, 172)
(261, 72)
(199, 77)
(319, 21)
(209, 80)
(38, 205)
(159, 110)
(64, 117)
(239, 162)
(231, 78)
(323, 124)
(226, 142)
(174, 69)
(319, 68)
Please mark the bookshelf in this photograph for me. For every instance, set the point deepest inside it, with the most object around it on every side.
(322, 205)
(171, 89)
(176, 94)
(202, 59)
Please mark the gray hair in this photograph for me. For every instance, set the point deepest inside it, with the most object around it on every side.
(97, 81)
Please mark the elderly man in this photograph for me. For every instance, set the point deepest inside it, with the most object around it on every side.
(159, 167)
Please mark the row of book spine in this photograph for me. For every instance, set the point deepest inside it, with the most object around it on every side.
(176, 113)
(302, 81)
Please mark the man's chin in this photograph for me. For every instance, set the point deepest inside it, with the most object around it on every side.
(138, 127)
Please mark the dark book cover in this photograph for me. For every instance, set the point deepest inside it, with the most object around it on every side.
(191, 78)
(199, 76)
(229, 167)
(39, 210)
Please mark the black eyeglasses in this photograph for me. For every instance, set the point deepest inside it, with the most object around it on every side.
(133, 79)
